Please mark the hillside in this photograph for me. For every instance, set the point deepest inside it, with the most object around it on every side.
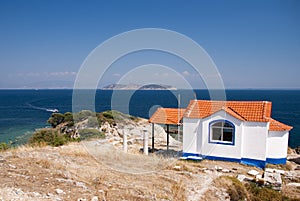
(97, 169)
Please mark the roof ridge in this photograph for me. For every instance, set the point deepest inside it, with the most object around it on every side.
(192, 103)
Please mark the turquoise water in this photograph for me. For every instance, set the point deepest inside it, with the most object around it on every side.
(22, 111)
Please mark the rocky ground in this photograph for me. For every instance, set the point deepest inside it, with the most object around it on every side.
(100, 170)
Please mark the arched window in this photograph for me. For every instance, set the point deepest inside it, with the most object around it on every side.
(222, 132)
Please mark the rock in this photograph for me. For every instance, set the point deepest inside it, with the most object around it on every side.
(241, 177)
(298, 167)
(271, 170)
(36, 194)
(218, 168)
(81, 199)
(177, 167)
(203, 169)
(225, 171)
(290, 174)
(253, 173)
(95, 198)
(273, 179)
(12, 166)
(293, 184)
(208, 171)
(59, 191)
(80, 184)
(295, 160)
(259, 176)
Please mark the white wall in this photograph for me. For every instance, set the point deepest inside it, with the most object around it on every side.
(254, 140)
(277, 144)
(191, 140)
(221, 150)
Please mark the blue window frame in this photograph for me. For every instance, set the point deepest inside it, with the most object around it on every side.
(221, 132)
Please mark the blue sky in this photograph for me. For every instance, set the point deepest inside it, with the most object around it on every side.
(254, 44)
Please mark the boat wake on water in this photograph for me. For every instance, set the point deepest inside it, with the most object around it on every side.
(42, 108)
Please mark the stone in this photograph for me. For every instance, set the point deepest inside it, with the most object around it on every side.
(225, 171)
(218, 168)
(95, 198)
(202, 169)
(12, 166)
(293, 184)
(177, 167)
(298, 167)
(295, 160)
(253, 173)
(271, 170)
(241, 177)
(273, 179)
(59, 191)
(259, 176)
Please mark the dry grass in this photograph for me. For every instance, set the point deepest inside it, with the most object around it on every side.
(178, 191)
(288, 166)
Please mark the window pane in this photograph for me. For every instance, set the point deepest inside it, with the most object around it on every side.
(218, 124)
(216, 133)
(227, 135)
(228, 125)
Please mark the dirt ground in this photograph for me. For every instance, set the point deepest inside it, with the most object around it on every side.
(71, 172)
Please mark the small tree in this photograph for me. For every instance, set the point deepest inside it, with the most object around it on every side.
(56, 119)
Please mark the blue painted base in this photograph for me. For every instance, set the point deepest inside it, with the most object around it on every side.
(254, 162)
(217, 158)
(276, 160)
(191, 156)
(247, 161)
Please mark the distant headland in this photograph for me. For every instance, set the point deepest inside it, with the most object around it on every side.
(138, 87)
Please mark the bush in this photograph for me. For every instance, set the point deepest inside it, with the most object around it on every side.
(4, 146)
(258, 193)
(48, 137)
(82, 115)
(92, 122)
(237, 190)
(89, 133)
(56, 119)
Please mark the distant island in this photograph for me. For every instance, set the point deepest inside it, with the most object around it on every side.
(138, 87)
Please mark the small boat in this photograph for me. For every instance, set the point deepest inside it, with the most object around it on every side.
(53, 110)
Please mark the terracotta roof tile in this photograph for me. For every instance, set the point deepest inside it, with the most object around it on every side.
(167, 116)
(256, 111)
(278, 126)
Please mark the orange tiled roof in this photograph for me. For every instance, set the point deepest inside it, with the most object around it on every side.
(278, 126)
(167, 116)
(257, 111)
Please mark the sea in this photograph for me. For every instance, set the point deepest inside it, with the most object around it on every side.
(24, 111)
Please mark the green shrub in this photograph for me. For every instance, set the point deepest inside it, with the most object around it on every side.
(56, 119)
(258, 193)
(89, 133)
(92, 122)
(47, 136)
(68, 117)
(4, 146)
(108, 114)
(82, 115)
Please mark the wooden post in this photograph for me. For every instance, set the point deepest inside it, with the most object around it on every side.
(152, 137)
(168, 137)
(145, 142)
(124, 141)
